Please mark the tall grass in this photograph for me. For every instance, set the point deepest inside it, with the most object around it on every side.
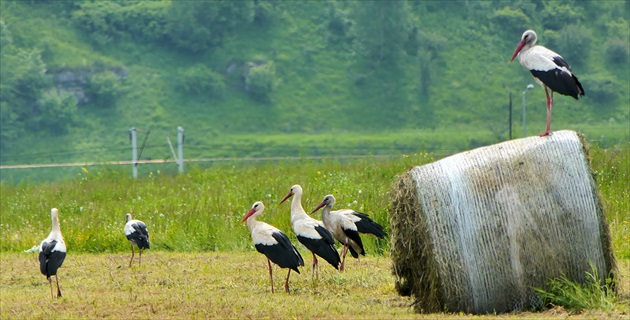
(612, 175)
(199, 210)
(576, 297)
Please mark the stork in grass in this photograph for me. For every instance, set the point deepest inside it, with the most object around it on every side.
(549, 69)
(273, 243)
(138, 235)
(346, 225)
(310, 232)
(52, 252)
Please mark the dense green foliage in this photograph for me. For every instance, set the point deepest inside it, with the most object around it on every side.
(317, 68)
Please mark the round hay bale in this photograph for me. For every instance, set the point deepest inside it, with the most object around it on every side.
(476, 231)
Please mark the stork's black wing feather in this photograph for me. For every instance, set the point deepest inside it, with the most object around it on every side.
(560, 62)
(49, 260)
(368, 226)
(325, 234)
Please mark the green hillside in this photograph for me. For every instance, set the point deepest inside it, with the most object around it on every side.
(291, 78)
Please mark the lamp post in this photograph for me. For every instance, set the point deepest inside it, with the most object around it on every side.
(529, 86)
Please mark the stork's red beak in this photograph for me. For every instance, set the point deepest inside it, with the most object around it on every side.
(286, 197)
(518, 49)
(321, 205)
(249, 214)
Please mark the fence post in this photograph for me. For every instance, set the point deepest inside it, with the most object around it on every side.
(134, 153)
(180, 149)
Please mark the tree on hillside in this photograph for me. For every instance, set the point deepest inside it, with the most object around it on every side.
(24, 101)
(381, 29)
(200, 25)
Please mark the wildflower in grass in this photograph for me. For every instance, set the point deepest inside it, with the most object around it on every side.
(84, 169)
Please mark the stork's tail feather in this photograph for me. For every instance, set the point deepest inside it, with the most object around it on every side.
(368, 226)
(579, 86)
(354, 252)
(144, 243)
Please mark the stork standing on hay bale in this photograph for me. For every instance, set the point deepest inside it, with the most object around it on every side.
(549, 69)
(346, 225)
(273, 243)
(52, 252)
(137, 233)
(310, 232)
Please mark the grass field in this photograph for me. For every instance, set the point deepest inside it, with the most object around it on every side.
(222, 285)
(202, 263)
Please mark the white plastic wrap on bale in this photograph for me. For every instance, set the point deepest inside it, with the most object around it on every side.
(503, 219)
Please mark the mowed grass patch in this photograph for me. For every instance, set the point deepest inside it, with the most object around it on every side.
(221, 285)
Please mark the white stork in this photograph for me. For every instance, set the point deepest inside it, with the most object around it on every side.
(549, 70)
(274, 244)
(346, 225)
(310, 232)
(137, 234)
(52, 252)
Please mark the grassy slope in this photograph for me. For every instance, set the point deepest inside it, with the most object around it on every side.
(316, 96)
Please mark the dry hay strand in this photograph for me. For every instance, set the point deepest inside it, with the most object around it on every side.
(476, 231)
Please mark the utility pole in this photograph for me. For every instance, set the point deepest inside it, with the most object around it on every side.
(180, 149)
(510, 120)
(134, 152)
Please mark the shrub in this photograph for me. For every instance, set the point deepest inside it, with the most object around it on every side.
(260, 81)
(573, 43)
(601, 88)
(202, 80)
(511, 20)
(57, 111)
(557, 14)
(105, 87)
(616, 51)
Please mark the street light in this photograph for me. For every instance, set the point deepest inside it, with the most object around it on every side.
(529, 86)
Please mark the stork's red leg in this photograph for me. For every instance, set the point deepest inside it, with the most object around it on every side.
(286, 283)
(344, 251)
(270, 274)
(58, 289)
(132, 253)
(51, 291)
(549, 106)
(315, 270)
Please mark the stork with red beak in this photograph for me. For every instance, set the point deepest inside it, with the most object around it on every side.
(549, 70)
(310, 232)
(274, 244)
(346, 225)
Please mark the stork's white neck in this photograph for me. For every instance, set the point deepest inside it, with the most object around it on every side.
(55, 232)
(251, 223)
(297, 212)
(326, 212)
